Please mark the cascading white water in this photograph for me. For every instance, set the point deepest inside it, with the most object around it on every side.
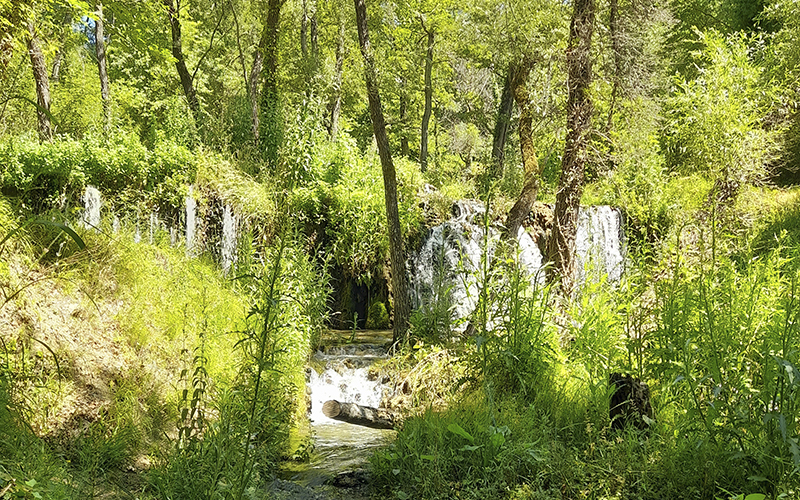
(449, 262)
(91, 208)
(153, 227)
(228, 250)
(345, 377)
(599, 243)
(191, 212)
(115, 224)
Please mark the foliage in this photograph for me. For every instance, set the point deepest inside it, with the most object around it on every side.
(377, 316)
(715, 120)
(53, 175)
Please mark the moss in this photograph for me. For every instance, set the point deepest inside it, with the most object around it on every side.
(377, 316)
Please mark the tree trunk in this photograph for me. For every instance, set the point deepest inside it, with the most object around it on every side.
(502, 124)
(365, 416)
(402, 305)
(561, 248)
(252, 92)
(173, 12)
(404, 149)
(336, 99)
(42, 84)
(271, 129)
(426, 114)
(59, 57)
(251, 83)
(616, 47)
(304, 31)
(100, 50)
(530, 163)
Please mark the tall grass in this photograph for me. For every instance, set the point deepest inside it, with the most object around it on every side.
(717, 342)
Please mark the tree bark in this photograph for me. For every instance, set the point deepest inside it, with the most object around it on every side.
(561, 248)
(502, 124)
(42, 84)
(365, 416)
(252, 92)
(426, 114)
(616, 48)
(100, 50)
(173, 13)
(271, 129)
(530, 163)
(336, 99)
(404, 149)
(402, 305)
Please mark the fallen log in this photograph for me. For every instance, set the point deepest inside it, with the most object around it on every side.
(366, 416)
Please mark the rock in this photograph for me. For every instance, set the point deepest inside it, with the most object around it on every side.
(630, 402)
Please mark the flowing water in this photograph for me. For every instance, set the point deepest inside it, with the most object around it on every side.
(341, 371)
(228, 250)
(191, 214)
(91, 208)
(448, 265)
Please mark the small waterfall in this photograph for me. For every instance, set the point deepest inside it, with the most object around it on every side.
(191, 211)
(447, 267)
(599, 243)
(153, 227)
(91, 208)
(228, 250)
(115, 224)
(344, 376)
(137, 236)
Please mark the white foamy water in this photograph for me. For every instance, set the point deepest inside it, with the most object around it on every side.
(191, 212)
(228, 250)
(91, 208)
(448, 265)
(345, 378)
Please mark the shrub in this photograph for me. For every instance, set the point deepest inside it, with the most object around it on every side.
(377, 316)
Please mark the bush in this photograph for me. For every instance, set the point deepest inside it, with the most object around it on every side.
(377, 316)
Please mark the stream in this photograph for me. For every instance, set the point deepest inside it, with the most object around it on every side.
(340, 370)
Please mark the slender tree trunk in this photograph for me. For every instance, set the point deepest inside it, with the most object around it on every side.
(404, 149)
(314, 32)
(561, 248)
(530, 163)
(271, 127)
(616, 47)
(55, 73)
(304, 31)
(173, 13)
(100, 50)
(252, 92)
(426, 114)
(336, 99)
(402, 305)
(251, 83)
(502, 124)
(42, 84)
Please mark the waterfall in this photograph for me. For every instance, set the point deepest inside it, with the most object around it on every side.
(191, 211)
(91, 208)
(345, 378)
(448, 265)
(153, 227)
(599, 243)
(228, 250)
(115, 224)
